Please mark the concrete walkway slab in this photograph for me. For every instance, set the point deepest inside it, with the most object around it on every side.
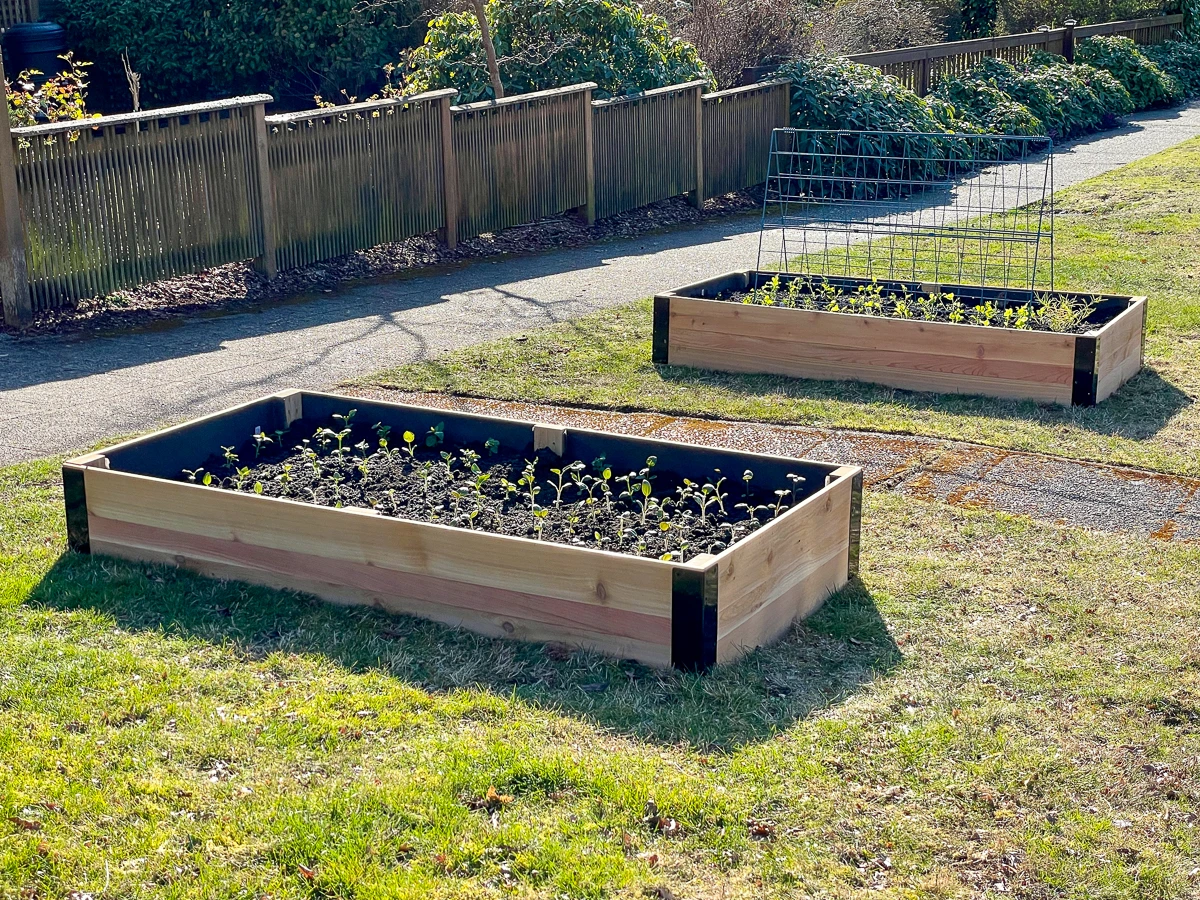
(73, 392)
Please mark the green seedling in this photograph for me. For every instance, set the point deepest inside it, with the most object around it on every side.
(231, 458)
(492, 446)
(796, 481)
(436, 435)
(260, 441)
(193, 474)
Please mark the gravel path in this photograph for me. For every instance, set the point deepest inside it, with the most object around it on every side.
(1062, 491)
(60, 393)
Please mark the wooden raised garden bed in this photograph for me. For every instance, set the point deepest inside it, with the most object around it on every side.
(699, 325)
(135, 500)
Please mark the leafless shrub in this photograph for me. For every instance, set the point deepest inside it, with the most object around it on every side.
(731, 35)
(864, 26)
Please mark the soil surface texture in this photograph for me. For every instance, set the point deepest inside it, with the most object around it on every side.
(656, 513)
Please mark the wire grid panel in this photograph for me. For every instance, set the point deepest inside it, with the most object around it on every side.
(901, 206)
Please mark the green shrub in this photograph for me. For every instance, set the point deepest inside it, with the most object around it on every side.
(1147, 84)
(977, 18)
(830, 92)
(981, 102)
(1179, 59)
(192, 50)
(546, 43)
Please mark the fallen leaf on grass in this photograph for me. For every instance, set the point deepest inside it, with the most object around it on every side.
(665, 824)
(492, 801)
(761, 830)
(307, 873)
(26, 824)
(662, 892)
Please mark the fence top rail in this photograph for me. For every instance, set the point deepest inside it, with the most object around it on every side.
(1083, 31)
(366, 106)
(653, 92)
(523, 98)
(148, 115)
(957, 48)
(748, 88)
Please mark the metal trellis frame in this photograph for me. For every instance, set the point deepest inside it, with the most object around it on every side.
(907, 206)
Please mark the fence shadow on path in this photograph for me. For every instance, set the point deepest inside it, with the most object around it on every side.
(840, 650)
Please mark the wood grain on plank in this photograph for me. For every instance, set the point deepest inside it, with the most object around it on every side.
(577, 574)
(1119, 352)
(784, 572)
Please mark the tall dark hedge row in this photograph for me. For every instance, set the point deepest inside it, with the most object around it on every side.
(194, 50)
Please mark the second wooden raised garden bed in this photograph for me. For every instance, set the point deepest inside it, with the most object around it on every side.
(138, 500)
(698, 326)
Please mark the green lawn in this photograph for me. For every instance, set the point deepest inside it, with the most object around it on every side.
(999, 706)
(1133, 231)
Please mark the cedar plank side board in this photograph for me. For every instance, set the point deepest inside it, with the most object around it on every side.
(124, 502)
(693, 329)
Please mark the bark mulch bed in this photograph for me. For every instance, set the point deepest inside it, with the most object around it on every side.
(236, 286)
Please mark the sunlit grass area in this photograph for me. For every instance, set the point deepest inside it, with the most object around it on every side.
(998, 708)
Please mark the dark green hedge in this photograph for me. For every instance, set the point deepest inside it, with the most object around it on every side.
(194, 50)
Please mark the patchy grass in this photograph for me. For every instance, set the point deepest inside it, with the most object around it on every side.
(998, 708)
(1132, 231)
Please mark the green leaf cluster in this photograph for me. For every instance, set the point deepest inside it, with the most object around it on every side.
(195, 50)
(1181, 59)
(1045, 95)
(1147, 83)
(834, 93)
(545, 44)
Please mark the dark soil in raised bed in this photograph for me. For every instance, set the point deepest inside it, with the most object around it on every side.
(237, 286)
(1067, 313)
(388, 483)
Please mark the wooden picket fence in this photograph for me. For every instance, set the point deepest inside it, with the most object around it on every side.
(112, 202)
(922, 68)
(15, 11)
(93, 206)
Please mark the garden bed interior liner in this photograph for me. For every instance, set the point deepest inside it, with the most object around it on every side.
(129, 501)
(692, 327)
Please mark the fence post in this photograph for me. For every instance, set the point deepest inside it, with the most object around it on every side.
(34, 13)
(697, 197)
(449, 173)
(14, 276)
(268, 262)
(589, 143)
(1069, 40)
(923, 67)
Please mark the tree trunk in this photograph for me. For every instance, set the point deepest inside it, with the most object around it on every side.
(489, 48)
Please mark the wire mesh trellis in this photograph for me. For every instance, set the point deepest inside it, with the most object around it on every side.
(900, 206)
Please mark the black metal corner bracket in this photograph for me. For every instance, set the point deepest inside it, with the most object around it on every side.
(694, 618)
(660, 347)
(1083, 386)
(75, 495)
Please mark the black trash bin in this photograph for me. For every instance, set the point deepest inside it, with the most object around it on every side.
(34, 45)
